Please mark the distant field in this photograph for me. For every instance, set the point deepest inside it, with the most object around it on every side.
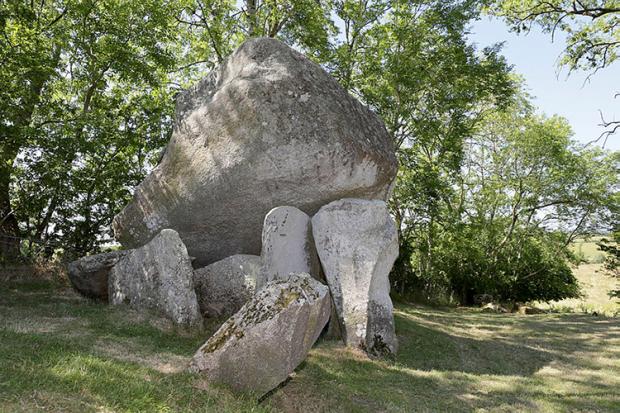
(588, 250)
(62, 353)
(595, 284)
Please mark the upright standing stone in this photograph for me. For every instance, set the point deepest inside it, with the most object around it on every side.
(224, 286)
(288, 246)
(257, 348)
(89, 275)
(157, 276)
(357, 243)
(268, 127)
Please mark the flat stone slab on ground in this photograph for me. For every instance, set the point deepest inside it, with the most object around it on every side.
(257, 348)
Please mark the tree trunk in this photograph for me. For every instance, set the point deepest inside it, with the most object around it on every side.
(9, 230)
(251, 6)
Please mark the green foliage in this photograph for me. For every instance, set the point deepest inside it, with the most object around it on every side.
(612, 260)
(526, 268)
(591, 27)
(100, 105)
(502, 224)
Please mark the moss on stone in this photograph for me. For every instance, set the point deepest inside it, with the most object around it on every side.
(222, 335)
(285, 298)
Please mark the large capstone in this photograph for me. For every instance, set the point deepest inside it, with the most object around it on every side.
(267, 128)
(89, 275)
(224, 286)
(287, 245)
(158, 276)
(357, 244)
(257, 348)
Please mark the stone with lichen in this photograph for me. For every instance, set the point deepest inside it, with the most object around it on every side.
(257, 348)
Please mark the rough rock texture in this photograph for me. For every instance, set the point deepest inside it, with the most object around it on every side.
(357, 243)
(89, 275)
(257, 348)
(267, 128)
(158, 276)
(288, 246)
(224, 286)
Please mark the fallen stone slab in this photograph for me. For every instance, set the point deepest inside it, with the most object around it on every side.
(224, 286)
(89, 275)
(268, 127)
(357, 244)
(287, 245)
(158, 276)
(257, 348)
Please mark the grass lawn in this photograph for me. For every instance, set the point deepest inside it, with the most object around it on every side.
(60, 352)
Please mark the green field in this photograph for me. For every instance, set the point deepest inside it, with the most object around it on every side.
(594, 281)
(595, 285)
(60, 352)
(587, 250)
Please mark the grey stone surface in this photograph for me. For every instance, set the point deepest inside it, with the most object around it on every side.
(287, 245)
(224, 286)
(257, 348)
(157, 276)
(89, 275)
(268, 127)
(357, 244)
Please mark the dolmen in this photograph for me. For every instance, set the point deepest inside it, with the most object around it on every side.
(267, 212)
(267, 128)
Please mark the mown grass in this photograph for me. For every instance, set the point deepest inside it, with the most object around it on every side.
(59, 352)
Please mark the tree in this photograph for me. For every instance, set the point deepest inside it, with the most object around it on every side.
(29, 54)
(519, 207)
(94, 94)
(410, 61)
(592, 29)
(612, 260)
(591, 26)
(210, 30)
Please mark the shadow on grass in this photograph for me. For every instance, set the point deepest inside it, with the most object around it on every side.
(59, 352)
(498, 344)
(463, 361)
(454, 360)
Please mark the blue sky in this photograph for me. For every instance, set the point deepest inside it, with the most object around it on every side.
(535, 57)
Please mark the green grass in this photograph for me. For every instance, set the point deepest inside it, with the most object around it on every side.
(59, 352)
(587, 250)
